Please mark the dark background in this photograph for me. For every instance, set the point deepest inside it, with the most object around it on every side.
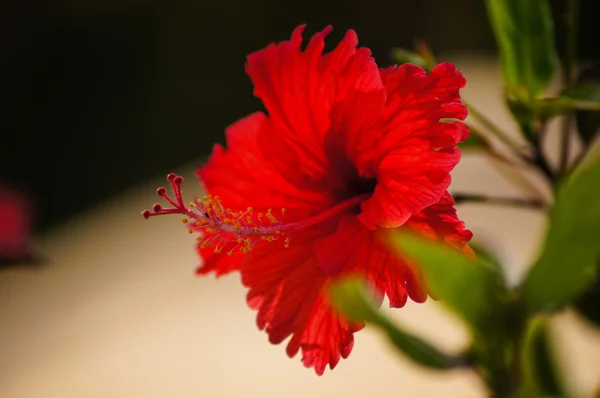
(102, 94)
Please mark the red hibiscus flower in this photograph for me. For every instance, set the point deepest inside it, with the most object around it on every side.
(347, 154)
(15, 228)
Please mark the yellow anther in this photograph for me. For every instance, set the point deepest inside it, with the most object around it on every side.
(249, 209)
(190, 231)
(283, 210)
(185, 220)
(218, 250)
(192, 204)
(230, 253)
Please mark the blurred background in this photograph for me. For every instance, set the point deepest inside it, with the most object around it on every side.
(102, 97)
(102, 94)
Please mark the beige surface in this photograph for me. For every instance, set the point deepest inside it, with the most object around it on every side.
(120, 314)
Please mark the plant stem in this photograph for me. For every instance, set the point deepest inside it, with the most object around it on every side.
(495, 130)
(532, 203)
(570, 59)
(540, 160)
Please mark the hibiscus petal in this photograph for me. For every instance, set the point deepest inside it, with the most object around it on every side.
(372, 258)
(288, 290)
(441, 222)
(417, 151)
(304, 90)
(219, 263)
(243, 176)
(408, 180)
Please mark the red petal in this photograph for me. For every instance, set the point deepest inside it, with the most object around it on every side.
(243, 176)
(304, 90)
(219, 263)
(408, 180)
(357, 250)
(416, 152)
(288, 290)
(441, 222)
(15, 225)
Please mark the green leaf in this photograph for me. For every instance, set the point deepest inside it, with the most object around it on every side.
(588, 304)
(473, 290)
(588, 123)
(476, 141)
(403, 56)
(567, 264)
(540, 373)
(524, 32)
(561, 106)
(585, 92)
(351, 298)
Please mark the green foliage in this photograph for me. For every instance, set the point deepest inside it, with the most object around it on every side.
(548, 107)
(539, 369)
(351, 297)
(588, 122)
(524, 32)
(588, 304)
(572, 245)
(476, 141)
(403, 56)
(473, 290)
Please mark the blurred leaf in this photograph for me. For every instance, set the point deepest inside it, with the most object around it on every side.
(485, 254)
(566, 265)
(539, 366)
(588, 88)
(474, 290)
(475, 141)
(403, 56)
(588, 304)
(524, 32)
(587, 92)
(351, 298)
(562, 105)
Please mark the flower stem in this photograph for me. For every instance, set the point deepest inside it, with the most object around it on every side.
(532, 203)
(570, 59)
(495, 130)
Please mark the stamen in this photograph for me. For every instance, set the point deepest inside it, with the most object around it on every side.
(226, 230)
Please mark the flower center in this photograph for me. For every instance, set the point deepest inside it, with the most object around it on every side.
(361, 187)
(225, 229)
